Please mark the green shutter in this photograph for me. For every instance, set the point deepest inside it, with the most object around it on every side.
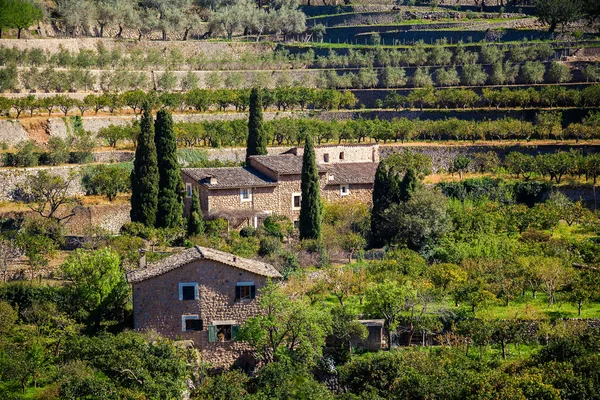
(234, 332)
(212, 333)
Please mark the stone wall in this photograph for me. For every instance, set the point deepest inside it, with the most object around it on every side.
(357, 192)
(12, 133)
(442, 156)
(219, 50)
(157, 306)
(12, 178)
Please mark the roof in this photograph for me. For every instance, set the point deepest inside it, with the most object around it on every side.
(372, 322)
(232, 177)
(201, 253)
(352, 173)
(283, 164)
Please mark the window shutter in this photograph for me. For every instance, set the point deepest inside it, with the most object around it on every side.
(234, 332)
(212, 333)
(238, 293)
(252, 291)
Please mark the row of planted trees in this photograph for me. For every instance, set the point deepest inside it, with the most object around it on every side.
(294, 98)
(532, 72)
(291, 131)
(150, 58)
(202, 100)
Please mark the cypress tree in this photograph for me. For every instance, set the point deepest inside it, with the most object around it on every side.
(195, 225)
(310, 208)
(170, 206)
(257, 140)
(408, 185)
(386, 191)
(144, 176)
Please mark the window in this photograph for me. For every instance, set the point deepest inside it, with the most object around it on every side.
(246, 194)
(296, 201)
(296, 224)
(344, 190)
(191, 323)
(188, 190)
(326, 157)
(224, 331)
(342, 155)
(245, 291)
(188, 291)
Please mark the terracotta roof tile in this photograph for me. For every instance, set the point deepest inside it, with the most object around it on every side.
(231, 177)
(201, 253)
(352, 173)
(283, 164)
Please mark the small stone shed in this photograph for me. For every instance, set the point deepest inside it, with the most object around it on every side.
(202, 295)
(374, 340)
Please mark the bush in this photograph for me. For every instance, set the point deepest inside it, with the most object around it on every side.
(107, 180)
(58, 151)
(269, 246)
(530, 193)
(247, 231)
(27, 155)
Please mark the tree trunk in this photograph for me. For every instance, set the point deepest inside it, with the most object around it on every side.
(185, 34)
(120, 33)
(101, 30)
(19, 33)
(552, 26)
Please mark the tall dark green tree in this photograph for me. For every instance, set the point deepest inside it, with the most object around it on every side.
(144, 176)
(386, 191)
(310, 207)
(409, 183)
(170, 185)
(195, 223)
(257, 139)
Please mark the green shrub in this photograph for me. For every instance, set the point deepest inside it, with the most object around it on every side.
(269, 246)
(530, 193)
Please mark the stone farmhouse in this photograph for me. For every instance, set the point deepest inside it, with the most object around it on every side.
(202, 295)
(270, 184)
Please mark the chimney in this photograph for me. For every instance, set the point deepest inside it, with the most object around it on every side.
(330, 177)
(234, 259)
(212, 180)
(143, 263)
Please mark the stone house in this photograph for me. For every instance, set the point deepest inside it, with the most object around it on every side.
(202, 295)
(271, 184)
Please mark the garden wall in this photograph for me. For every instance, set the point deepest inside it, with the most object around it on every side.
(442, 156)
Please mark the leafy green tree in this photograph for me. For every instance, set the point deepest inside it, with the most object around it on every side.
(387, 300)
(418, 222)
(310, 209)
(257, 141)
(49, 194)
(533, 72)
(20, 14)
(559, 72)
(39, 239)
(98, 283)
(286, 328)
(195, 223)
(557, 12)
(107, 180)
(461, 164)
(170, 185)
(145, 176)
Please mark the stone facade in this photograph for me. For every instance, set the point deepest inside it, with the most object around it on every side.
(157, 306)
(282, 189)
(338, 153)
(361, 192)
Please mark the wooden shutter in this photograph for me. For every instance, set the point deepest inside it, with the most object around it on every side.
(252, 292)
(238, 293)
(212, 333)
(234, 332)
